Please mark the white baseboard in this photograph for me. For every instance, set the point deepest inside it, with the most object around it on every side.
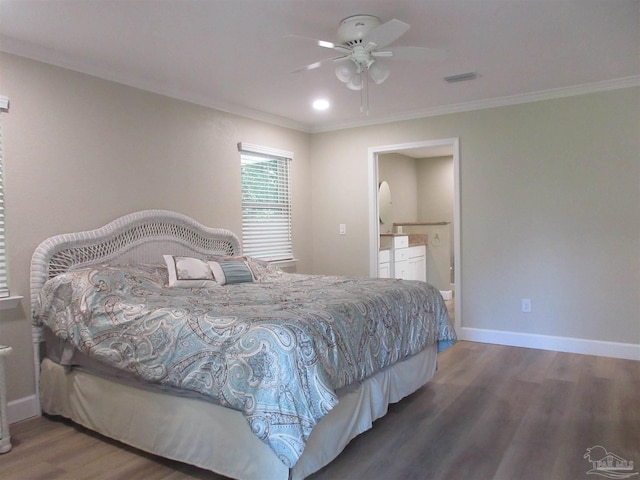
(22, 409)
(628, 351)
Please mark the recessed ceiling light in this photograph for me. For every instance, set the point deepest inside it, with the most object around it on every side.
(321, 104)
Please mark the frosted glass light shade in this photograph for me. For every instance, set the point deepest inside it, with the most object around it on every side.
(346, 70)
(355, 83)
(379, 72)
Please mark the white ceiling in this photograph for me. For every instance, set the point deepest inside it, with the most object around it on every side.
(234, 55)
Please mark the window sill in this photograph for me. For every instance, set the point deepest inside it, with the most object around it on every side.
(9, 303)
(284, 263)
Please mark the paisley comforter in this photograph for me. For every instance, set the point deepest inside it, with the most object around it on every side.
(276, 349)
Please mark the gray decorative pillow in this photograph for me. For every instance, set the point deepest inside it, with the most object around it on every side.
(231, 271)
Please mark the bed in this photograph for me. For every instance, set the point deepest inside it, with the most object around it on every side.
(154, 330)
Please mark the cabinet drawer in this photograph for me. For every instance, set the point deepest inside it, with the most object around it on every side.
(401, 254)
(401, 242)
(384, 256)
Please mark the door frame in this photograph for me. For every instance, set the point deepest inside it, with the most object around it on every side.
(374, 222)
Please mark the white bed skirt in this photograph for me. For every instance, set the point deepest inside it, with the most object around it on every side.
(214, 437)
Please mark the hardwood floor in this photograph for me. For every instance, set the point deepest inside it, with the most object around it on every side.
(491, 412)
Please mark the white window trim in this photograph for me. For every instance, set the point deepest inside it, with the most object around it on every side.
(8, 301)
(250, 147)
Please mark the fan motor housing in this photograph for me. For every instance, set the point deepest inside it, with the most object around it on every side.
(353, 29)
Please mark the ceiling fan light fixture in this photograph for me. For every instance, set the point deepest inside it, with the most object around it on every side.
(361, 40)
(379, 72)
(345, 71)
(355, 82)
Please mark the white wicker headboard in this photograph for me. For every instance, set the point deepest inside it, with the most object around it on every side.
(141, 237)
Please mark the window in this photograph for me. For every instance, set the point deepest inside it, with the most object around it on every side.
(4, 284)
(266, 202)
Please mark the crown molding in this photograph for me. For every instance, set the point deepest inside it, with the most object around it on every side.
(554, 93)
(50, 56)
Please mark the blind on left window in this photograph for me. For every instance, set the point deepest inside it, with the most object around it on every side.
(4, 283)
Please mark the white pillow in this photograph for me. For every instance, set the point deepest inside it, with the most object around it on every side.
(188, 272)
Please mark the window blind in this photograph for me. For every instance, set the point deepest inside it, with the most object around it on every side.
(4, 284)
(266, 202)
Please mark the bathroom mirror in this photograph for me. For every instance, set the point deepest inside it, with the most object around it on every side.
(384, 202)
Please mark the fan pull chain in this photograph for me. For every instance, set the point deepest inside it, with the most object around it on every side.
(367, 94)
(364, 95)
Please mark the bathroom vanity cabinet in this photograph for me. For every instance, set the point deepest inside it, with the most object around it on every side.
(403, 260)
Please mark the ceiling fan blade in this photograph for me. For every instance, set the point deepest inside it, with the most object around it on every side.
(321, 43)
(370, 47)
(342, 49)
(314, 65)
(386, 33)
(415, 53)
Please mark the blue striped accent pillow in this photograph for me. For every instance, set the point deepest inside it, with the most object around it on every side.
(236, 272)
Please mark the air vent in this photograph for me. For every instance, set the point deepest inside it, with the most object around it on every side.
(461, 77)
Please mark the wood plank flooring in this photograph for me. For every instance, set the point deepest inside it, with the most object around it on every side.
(491, 412)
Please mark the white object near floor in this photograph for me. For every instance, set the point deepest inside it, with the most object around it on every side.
(5, 438)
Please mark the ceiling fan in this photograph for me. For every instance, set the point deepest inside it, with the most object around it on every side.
(362, 41)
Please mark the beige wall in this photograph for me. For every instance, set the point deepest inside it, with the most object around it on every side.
(79, 152)
(550, 207)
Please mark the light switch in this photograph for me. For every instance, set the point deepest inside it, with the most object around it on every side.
(343, 229)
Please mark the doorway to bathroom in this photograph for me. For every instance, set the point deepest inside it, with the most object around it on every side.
(414, 170)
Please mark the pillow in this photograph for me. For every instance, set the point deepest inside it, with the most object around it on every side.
(231, 271)
(188, 272)
(263, 271)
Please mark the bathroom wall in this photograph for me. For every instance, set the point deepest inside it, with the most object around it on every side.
(400, 172)
(435, 189)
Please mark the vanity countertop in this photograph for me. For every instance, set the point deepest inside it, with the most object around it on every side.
(415, 239)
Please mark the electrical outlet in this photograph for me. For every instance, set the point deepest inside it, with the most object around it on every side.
(525, 305)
